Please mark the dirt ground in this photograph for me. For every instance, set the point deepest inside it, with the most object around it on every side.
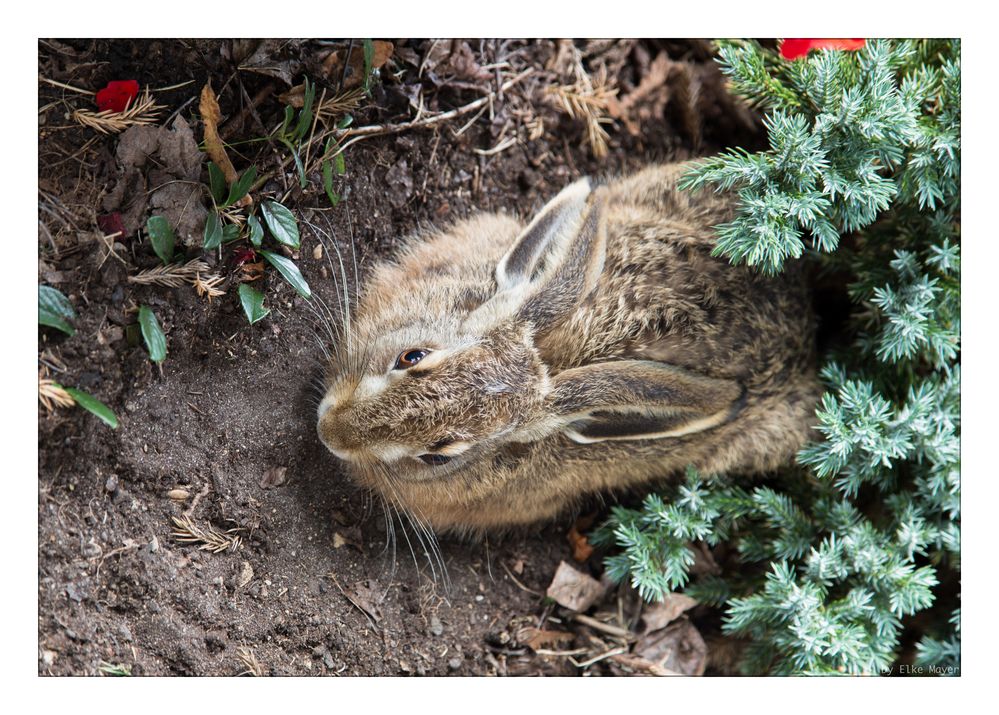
(312, 586)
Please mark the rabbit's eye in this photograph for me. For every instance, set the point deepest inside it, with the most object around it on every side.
(408, 358)
(435, 459)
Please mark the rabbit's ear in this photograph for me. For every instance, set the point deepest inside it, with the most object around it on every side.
(551, 229)
(553, 264)
(640, 399)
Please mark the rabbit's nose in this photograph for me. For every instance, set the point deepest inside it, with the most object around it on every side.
(335, 433)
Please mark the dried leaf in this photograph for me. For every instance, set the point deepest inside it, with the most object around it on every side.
(245, 575)
(252, 271)
(274, 477)
(211, 115)
(581, 549)
(333, 64)
(535, 638)
(679, 648)
(660, 615)
(262, 60)
(573, 589)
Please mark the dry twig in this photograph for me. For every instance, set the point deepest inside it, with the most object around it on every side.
(51, 394)
(196, 273)
(210, 539)
(143, 111)
(250, 662)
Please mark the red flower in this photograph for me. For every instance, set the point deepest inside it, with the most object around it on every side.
(117, 95)
(111, 224)
(795, 49)
(243, 255)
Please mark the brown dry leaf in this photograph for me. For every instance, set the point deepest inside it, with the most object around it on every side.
(274, 477)
(333, 64)
(660, 615)
(573, 589)
(366, 596)
(262, 58)
(581, 548)
(679, 648)
(535, 638)
(251, 271)
(211, 115)
(159, 170)
(349, 536)
(628, 664)
(245, 575)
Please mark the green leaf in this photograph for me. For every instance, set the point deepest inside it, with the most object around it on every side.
(281, 222)
(328, 184)
(289, 114)
(94, 406)
(289, 270)
(369, 55)
(230, 233)
(55, 310)
(305, 116)
(300, 167)
(216, 182)
(253, 303)
(242, 187)
(213, 232)
(328, 168)
(256, 230)
(152, 333)
(346, 121)
(161, 236)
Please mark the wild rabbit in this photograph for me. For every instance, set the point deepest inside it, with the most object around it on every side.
(494, 375)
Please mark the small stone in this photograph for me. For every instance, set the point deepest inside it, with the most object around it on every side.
(454, 663)
(48, 657)
(436, 627)
(111, 485)
(179, 494)
(91, 550)
(124, 632)
(154, 545)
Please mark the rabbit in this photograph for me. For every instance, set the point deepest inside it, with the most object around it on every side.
(494, 375)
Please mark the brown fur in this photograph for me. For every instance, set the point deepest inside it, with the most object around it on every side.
(600, 348)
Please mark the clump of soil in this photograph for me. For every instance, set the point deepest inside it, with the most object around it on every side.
(218, 446)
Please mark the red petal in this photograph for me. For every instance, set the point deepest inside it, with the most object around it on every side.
(794, 48)
(111, 223)
(243, 255)
(117, 95)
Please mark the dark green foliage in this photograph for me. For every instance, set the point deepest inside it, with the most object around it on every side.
(94, 406)
(162, 237)
(281, 222)
(252, 301)
(55, 310)
(834, 555)
(287, 268)
(152, 334)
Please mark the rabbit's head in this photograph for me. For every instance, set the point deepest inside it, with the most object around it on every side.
(447, 367)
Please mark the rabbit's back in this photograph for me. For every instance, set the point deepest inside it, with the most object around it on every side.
(663, 296)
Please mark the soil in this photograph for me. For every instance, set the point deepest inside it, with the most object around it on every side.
(313, 585)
